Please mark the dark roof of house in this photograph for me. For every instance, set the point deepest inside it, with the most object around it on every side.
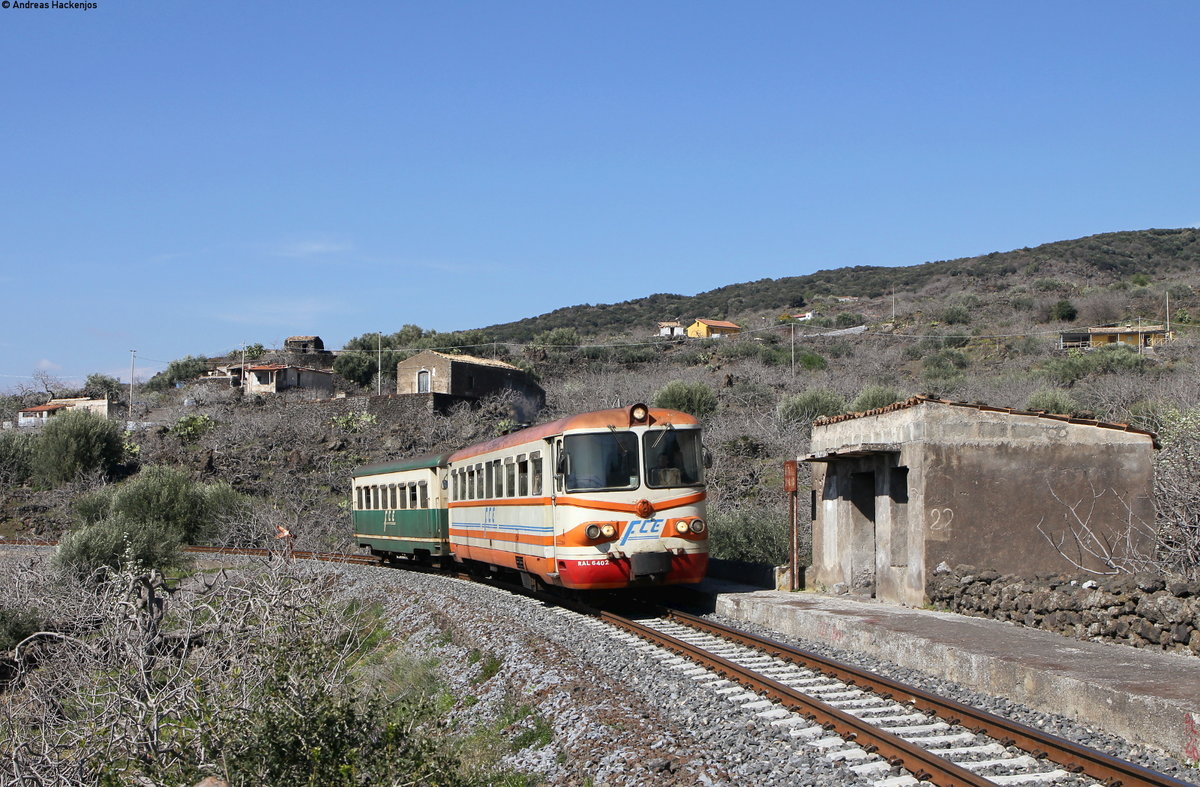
(919, 400)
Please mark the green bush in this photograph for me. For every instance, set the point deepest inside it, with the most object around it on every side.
(875, 396)
(145, 521)
(117, 542)
(357, 367)
(558, 337)
(1064, 311)
(181, 370)
(811, 404)
(16, 625)
(750, 536)
(694, 398)
(16, 457)
(165, 495)
(191, 428)
(1110, 359)
(1052, 400)
(73, 443)
(956, 315)
(102, 386)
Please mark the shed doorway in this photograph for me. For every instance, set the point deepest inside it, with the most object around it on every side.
(862, 534)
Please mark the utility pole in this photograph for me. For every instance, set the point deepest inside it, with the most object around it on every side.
(793, 324)
(132, 365)
(378, 364)
(893, 304)
(242, 376)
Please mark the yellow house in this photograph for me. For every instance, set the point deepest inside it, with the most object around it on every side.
(1135, 336)
(712, 329)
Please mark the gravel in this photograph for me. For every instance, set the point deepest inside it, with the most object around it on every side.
(618, 714)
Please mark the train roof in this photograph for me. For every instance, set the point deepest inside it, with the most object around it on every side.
(599, 419)
(425, 462)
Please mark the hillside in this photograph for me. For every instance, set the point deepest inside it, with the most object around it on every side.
(1094, 261)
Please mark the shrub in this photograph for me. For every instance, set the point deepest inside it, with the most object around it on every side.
(694, 398)
(16, 625)
(558, 337)
(16, 457)
(1111, 358)
(165, 495)
(191, 428)
(102, 386)
(750, 536)
(811, 404)
(116, 542)
(1064, 311)
(956, 315)
(73, 443)
(357, 367)
(180, 370)
(875, 396)
(1052, 400)
(145, 521)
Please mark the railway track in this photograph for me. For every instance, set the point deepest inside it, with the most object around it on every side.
(882, 730)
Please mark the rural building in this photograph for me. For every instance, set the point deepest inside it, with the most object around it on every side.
(1133, 335)
(447, 379)
(304, 344)
(899, 490)
(670, 329)
(36, 416)
(712, 329)
(278, 377)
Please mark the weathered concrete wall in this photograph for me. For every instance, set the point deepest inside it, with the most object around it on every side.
(959, 484)
(1139, 610)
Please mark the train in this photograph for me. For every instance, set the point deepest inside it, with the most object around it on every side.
(603, 500)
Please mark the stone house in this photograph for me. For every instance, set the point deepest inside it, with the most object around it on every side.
(278, 377)
(670, 328)
(899, 490)
(447, 379)
(303, 344)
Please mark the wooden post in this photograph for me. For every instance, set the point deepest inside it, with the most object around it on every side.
(791, 487)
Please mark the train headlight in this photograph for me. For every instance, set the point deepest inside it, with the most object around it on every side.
(592, 532)
(608, 531)
(681, 527)
(697, 526)
(638, 413)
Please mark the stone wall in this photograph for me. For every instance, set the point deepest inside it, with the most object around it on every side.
(1141, 610)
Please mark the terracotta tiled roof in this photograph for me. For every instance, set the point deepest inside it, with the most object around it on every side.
(719, 324)
(46, 408)
(918, 400)
(473, 359)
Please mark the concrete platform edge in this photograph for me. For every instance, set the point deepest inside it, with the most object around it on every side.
(1170, 723)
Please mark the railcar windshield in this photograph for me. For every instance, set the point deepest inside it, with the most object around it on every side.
(605, 460)
(674, 457)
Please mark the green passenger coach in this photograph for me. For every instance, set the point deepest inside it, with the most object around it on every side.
(399, 508)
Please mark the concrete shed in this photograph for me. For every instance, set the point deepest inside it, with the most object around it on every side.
(898, 490)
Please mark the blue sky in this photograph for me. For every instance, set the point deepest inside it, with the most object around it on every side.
(180, 177)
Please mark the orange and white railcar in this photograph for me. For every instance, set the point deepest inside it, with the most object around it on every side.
(608, 499)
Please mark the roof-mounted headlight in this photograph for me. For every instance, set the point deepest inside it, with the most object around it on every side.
(638, 414)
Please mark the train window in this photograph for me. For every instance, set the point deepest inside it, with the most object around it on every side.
(489, 477)
(470, 495)
(413, 498)
(479, 485)
(535, 479)
(674, 457)
(373, 497)
(358, 498)
(423, 492)
(604, 460)
(510, 479)
(523, 475)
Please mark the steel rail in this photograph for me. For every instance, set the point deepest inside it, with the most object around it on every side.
(1112, 771)
(894, 749)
